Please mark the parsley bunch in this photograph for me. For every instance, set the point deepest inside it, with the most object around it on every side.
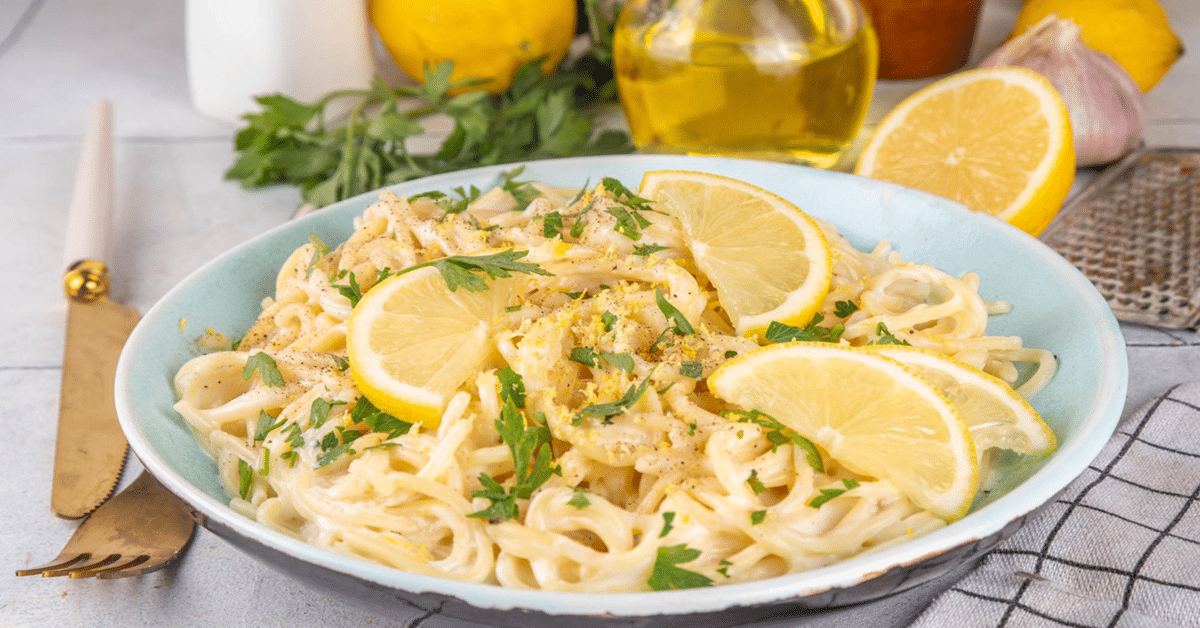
(538, 116)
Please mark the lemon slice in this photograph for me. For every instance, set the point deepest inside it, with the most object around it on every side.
(997, 140)
(872, 414)
(996, 415)
(767, 259)
(412, 342)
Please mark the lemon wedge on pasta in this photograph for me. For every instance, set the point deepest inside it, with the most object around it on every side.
(996, 415)
(412, 341)
(869, 412)
(768, 260)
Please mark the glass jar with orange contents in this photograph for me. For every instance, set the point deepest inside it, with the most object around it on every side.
(787, 80)
(920, 38)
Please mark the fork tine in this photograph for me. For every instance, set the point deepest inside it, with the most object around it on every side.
(141, 529)
(61, 564)
(70, 571)
(113, 571)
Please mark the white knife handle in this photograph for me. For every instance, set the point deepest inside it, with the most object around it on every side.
(89, 219)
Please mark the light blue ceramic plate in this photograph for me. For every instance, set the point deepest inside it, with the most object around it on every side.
(1053, 306)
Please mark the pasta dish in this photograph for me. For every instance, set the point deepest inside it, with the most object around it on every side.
(587, 454)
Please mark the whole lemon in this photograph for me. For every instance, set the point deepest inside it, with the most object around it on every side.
(1135, 33)
(485, 39)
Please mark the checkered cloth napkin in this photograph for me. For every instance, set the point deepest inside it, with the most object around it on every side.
(1119, 548)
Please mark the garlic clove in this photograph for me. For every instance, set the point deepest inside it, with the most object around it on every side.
(1106, 107)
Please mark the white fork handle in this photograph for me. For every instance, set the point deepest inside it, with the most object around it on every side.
(89, 219)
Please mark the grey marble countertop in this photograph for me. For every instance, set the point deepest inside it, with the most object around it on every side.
(174, 211)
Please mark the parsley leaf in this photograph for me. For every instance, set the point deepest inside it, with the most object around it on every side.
(268, 370)
(606, 411)
(679, 322)
(523, 192)
(379, 421)
(319, 250)
(629, 222)
(757, 517)
(465, 270)
(886, 337)
(531, 453)
(626, 197)
(245, 478)
(778, 434)
(608, 319)
(350, 290)
(318, 412)
(265, 424)
(668, 523)
(756, 484)
(691, 369)
(829, 493)
(552, 224)
(648, 249)
(579, 500)
(842, 309)
(779, 332)
(667, 576)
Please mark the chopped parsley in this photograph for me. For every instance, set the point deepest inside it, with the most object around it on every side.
(648, 249)
(608, 319)
(318, 412)
(679, 322)
(467, 271)
(266, 423)
(522, 191)
(245, 478)
(778, 434)
(668, 523)
(590, 357)
(529, 447)
(552, 224)
(624, 196)
(579, 500)
(379, 421)
(885, 337)
(606, 411)
(756, 484)
(829, 493)
(842, 309)
(319, 250)
(667, 575)
(268, 370)
(757, 517)
(350, 289)
(813, 332)
(691, 369)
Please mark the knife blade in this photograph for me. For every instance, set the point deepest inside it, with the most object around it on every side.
(90, 449)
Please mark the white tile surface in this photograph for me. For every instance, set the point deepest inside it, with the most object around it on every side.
(176, 212)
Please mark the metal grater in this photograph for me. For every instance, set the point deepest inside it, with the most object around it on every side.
(1134, 231)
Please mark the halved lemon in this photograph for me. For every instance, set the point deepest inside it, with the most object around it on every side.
(412, 342)
(871, 413)
(767, 259)
(997, 140)
(996, 415)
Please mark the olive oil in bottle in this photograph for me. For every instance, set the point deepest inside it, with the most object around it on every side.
(786, 80)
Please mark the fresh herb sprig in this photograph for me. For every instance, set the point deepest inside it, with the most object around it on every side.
(529, 447)
(538, 116)
(468, 271)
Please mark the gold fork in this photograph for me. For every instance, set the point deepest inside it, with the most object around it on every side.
(140, 530)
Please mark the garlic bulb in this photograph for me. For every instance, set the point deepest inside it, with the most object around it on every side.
(1108, 115)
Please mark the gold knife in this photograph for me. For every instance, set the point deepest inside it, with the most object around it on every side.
(90, 450)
